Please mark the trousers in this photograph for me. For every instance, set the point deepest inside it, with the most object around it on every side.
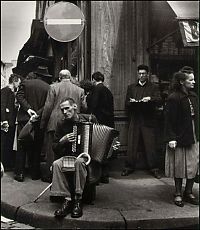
(33, 152)
(68, 184)
(140, 134)
(7, 153)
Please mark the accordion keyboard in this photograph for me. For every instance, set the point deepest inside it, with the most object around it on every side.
(86, 138)
(74, 144)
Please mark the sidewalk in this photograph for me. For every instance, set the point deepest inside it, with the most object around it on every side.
(11, 224)
(136, 201)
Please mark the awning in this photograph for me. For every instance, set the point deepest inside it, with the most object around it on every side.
(185, 9)
(187, 13)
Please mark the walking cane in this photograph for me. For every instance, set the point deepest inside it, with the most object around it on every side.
(42, 192)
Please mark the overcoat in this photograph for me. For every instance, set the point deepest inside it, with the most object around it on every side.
(58, 91)
(8, 108)
(102, 105)
(142, 118)
(145, 110)
(178, 119)
(31, 95)
(8, 113)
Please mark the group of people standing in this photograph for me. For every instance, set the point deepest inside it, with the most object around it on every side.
(40, 100)
(53, 109)
(48, 105)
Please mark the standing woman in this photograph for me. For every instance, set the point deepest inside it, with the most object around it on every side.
(9, 109)
(181, 133)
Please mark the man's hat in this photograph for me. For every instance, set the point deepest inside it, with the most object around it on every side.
(42, 71)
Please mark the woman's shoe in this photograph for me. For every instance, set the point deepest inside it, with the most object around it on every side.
(178, 201)
(190, 198)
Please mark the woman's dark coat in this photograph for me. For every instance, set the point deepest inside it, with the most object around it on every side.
(8, 108)
(8, 113)
(178, 119)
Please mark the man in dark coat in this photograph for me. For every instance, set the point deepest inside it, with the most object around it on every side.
(102, 106)
(8, 118)
(141, 101)
(69, 184)
(31, 97)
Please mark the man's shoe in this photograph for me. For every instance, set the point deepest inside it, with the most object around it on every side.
(126, 172)
(47, 179)
(19, 177)
(77, 210)
(190, 198)
(156, 174)
(104, 179)
(64, 210)
(35, 176)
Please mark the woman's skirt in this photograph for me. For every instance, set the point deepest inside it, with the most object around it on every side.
(182, 162)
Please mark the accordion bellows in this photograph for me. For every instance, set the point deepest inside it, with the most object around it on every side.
(102, 138)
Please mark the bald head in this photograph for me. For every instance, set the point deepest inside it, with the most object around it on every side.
(64, 74)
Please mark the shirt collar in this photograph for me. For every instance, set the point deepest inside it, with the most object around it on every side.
(100, 82)
(142, 84)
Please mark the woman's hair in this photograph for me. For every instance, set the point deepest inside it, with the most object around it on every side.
(14, 78)
(176, 80)
(187, 70)
(87, 85)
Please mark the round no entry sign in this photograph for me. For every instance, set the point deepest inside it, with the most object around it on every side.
(64, 21)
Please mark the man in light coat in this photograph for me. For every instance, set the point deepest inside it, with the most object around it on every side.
(52, 113)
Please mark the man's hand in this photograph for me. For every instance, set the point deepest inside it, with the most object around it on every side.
(146, 99)
(34, 118)
(172, 144)
(2, 170)
(4, 126)
(133, 100)
(116, 145)
(31, 112)
(67, 138)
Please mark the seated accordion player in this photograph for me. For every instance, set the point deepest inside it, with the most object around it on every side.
(92, 142)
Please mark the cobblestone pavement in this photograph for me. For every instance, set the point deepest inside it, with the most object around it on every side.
(11, 224)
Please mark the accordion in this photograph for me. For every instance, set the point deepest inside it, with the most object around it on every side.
(91, 139)
(81, 146)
